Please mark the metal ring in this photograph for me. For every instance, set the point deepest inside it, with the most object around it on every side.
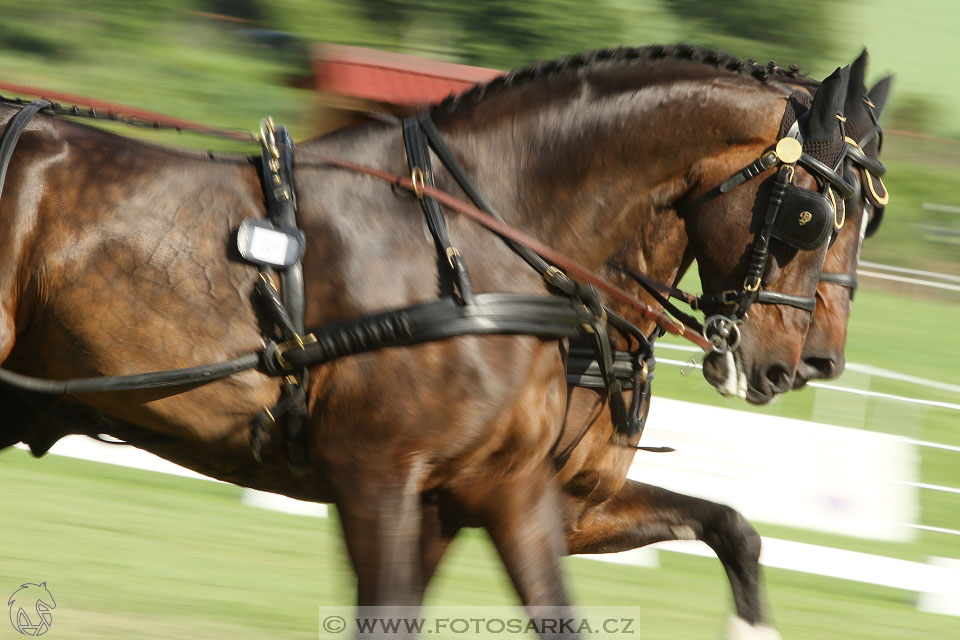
(726, 334)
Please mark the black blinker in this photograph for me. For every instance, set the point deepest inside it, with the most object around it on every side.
(805, 219)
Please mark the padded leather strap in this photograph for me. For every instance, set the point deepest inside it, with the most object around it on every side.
(490, 313)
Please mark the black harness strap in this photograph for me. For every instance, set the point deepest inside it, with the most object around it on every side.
(276, 159)
(848, 280)
(490, 313)
(807, 303)
(653, 288)
(418, 159)
(423, 127)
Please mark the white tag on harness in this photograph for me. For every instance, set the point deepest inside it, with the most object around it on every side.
(268, 245)
(259, 242)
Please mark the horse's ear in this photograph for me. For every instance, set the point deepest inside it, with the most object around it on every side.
(857, 88)
(878, 95)
(822, 123)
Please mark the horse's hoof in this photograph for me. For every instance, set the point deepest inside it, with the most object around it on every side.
(740, 629)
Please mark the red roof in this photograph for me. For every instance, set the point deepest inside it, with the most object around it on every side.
(391, 77)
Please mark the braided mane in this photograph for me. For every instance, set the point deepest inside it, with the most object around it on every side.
(627, 55)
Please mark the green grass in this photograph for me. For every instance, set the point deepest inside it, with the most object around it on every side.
(135, 554)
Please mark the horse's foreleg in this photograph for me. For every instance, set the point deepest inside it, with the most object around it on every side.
(525, 526)
(641, 514)
(381, 526)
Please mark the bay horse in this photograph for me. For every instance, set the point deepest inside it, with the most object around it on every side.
(602, 511)
(118, 262)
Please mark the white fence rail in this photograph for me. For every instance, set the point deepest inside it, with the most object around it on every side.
(894, 511)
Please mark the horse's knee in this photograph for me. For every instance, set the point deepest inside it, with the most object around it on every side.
(732, 535)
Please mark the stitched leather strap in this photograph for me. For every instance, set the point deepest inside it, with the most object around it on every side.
(491, 313)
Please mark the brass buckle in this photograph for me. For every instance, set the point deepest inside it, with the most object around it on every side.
(752, 287)
(269, 414)
(681, 330)
(298, 342)
(551, 274)
(729, 296)
(853, 143)
(793, 173)
(451, 252)
(644, 372)
(267, 137)
(419, 180)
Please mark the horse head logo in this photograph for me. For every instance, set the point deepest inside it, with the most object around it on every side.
(30, 607)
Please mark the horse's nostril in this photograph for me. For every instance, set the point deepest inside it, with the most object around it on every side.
(779, 378)
(823, 367)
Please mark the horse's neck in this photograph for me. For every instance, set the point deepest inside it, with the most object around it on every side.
(587, 176)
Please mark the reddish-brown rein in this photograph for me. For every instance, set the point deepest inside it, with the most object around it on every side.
(570, 266)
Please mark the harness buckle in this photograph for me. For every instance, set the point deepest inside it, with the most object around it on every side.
(729, 296)
(451, 252)
(419, 179)
(298, 342)
(552, 274)
(751, 287)
(267, 137)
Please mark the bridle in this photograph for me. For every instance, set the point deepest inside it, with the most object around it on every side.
(801, 218)
(871, 169)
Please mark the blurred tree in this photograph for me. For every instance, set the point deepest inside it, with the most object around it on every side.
(499, 33)
(244, 9)
(789, 32)
(915, 112)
